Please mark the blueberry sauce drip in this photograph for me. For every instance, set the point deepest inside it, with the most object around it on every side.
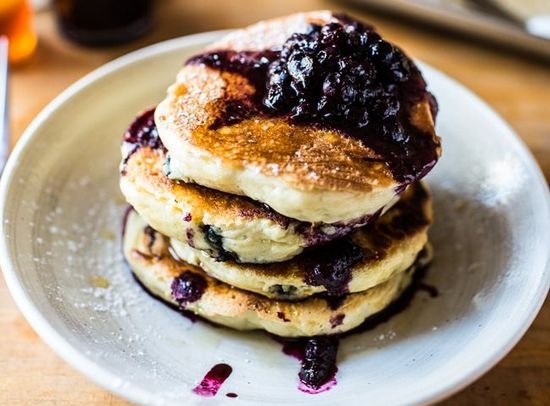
(213, 380)
(141, 133)
(318, 373)
(330, 265)
(319, 362)
(341, 76)
(317, 356)
(188, 287)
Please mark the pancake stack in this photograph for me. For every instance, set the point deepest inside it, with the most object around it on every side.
(277, 186)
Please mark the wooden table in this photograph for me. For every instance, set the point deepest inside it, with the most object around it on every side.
(516, 87)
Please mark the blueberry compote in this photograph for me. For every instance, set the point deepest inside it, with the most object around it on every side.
(317, 356)
(330, 265)
(342, 76)
(319, 361)
(141, 133)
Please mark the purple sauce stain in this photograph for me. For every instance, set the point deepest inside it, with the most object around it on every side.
(187, 217)
(213, 380)
(188, 287)
(231, 395)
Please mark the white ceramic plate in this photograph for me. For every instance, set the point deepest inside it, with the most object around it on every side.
(62, 210)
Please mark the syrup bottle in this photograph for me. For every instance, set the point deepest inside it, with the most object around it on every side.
(103, 22)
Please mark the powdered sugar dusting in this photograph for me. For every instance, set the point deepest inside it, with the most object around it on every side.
(388, 336)
(74, 244)
(77, 251)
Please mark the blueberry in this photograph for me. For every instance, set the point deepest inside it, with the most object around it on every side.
(275, 97)
(332, 35)
(363, 118)
(349, 94)
(301, 109)
(188, 287)
(363, 39)
(322, 104)
(300, 67)
(382, 51)
(332, 85)
(400, 67)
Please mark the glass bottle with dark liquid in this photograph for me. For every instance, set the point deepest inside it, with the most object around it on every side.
(103, 22)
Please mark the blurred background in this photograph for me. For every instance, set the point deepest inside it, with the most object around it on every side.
(498, 48)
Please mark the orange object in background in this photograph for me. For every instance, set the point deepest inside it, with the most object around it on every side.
(16, 24)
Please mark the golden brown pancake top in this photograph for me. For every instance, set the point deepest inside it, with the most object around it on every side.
(306, 156)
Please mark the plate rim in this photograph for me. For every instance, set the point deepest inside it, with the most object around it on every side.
(111, 382)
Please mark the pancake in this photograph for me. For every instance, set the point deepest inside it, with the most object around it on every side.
(367, 257)
(187, 286)
(221, 225)
(220, 135)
